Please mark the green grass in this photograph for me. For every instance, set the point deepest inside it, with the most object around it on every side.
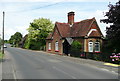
(1, 55)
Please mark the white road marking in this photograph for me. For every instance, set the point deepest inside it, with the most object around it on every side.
(64, 72)
(109, 70)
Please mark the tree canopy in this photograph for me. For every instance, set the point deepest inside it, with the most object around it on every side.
(113, 32)
(15, 39)
(38, 31)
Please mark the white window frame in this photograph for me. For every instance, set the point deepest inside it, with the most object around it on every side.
(90, 46)
(98, 47)
(49, 46)
(56, 46)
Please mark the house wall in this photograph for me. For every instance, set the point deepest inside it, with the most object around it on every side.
(56, 37)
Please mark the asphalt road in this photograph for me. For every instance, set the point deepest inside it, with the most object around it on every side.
(27, 64)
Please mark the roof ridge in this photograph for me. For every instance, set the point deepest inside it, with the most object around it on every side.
(85, 20)
(61, 23)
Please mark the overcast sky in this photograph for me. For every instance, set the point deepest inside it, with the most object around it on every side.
(19, 13)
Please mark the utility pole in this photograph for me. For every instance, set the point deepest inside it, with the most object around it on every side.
(3, 34)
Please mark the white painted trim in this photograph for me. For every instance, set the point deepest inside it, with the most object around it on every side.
(91, 31)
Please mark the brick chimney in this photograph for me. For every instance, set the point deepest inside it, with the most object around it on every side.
(71, 18)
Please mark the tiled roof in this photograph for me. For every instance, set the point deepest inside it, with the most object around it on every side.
(64, 29)
(78, 29)
(81, 28)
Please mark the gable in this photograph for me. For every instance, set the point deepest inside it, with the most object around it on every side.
(56, 32)
(94, 30)
(64, 29)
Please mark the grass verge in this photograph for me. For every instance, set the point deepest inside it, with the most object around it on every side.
(1, 56)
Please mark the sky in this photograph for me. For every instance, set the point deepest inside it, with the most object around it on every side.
(19, 13)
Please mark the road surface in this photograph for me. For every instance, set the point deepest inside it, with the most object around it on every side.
(26, 64)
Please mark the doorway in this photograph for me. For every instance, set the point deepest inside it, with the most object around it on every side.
(66, 47)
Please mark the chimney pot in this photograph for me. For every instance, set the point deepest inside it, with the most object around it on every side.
(71, 17)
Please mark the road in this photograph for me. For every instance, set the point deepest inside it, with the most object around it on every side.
(26, 64)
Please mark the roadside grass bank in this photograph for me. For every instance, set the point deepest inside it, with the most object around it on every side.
(1, 56)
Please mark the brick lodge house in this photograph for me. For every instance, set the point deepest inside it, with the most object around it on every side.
(87, 32)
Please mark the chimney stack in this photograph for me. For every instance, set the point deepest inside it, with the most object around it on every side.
(71, 18)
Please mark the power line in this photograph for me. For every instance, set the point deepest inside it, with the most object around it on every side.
(36, 8)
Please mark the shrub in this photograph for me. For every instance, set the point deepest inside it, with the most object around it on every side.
(76, 46)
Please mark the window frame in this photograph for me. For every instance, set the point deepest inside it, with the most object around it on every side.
(56, 46)
(98, 47)
(49, 46)
(90, 49)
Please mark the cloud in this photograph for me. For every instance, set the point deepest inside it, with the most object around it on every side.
(11, 31)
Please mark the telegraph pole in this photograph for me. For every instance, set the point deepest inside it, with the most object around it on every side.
(3, 34)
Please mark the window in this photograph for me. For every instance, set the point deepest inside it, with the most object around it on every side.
(49, 46)
(97, 47)
(90, 47)
(56, 46)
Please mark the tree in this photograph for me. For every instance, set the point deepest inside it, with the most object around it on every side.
(38, 31)
(113, 32)
(15, 39)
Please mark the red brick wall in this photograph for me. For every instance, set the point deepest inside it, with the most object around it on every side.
(56, 37)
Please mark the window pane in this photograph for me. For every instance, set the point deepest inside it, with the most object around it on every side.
(97, 47)
(90, 46)
(56, 46)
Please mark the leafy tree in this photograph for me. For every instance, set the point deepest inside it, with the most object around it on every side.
(76, 46)
(16, 38)
(113, 32)
(6, 41)
(11, 40)
(38, 31)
